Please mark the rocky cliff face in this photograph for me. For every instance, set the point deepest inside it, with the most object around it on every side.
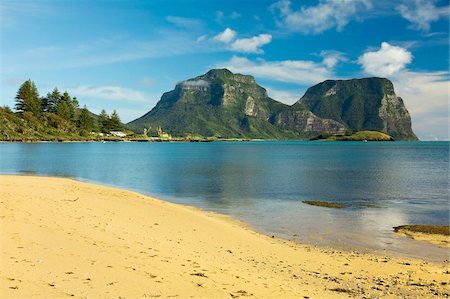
(361, 104)
(220, 103)
(305, 120)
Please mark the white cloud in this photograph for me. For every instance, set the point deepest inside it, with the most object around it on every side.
(245, 45)
(331, 58)
(226, 36)
(421, 13)
(315, 19)
(387, 61)
(109, 92)
(284, 96)
(294, 71)
(195, 83)
(184, 22)
(426, 96)
(252, 44)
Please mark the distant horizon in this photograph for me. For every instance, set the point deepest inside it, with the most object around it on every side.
(124, 55)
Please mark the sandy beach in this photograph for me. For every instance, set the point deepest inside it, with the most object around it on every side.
(63, 238)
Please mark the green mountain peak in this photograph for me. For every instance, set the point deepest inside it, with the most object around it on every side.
(361, 104)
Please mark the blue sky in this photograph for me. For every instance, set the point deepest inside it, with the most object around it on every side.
(124, 54)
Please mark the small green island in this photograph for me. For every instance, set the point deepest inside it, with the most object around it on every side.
(357, 136)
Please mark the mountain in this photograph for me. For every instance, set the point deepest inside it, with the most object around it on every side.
(222, 104)
(368, 104)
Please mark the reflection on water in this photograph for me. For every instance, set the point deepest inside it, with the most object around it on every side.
(264, 183)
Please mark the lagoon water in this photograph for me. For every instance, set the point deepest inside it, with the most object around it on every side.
(264, 183)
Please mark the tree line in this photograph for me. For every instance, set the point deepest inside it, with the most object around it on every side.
(65, 107)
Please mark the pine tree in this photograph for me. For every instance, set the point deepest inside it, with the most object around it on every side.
(27, 98)
(65, 107)
(76, 109)
(114, 122)
(44, 104)
(51, 101)
(85, 120)
(103, 121)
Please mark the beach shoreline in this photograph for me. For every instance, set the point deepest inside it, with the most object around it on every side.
(61, 237)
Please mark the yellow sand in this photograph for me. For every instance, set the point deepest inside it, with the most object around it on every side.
(440, 240)
(62, 238)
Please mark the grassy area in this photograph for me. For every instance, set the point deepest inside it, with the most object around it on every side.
(426, 229)
(369, 136)
(324, 204)
(358, 136)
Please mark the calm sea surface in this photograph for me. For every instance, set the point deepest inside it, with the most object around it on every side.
(264, 183)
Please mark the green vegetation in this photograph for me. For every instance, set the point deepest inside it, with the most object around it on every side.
(27, 98)
(55, 117)
(358, 136)
(108, 123)
(26, 126)
(86, 122)
(369, 136)
(426, 229)
(325, 204)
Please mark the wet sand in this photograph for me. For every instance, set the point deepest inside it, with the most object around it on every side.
(62, 238)
(439, 240)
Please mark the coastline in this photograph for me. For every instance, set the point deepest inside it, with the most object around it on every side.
(62, 237)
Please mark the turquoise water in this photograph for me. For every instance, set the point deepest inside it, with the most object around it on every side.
(264, 183)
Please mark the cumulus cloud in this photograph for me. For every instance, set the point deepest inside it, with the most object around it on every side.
(194, 83)
(109, 92)
(244, 45)
(421, 13)
(292, 71)
(331, 58)
(226, 36)
(252, 44)
(316, 19)
(385, 62)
